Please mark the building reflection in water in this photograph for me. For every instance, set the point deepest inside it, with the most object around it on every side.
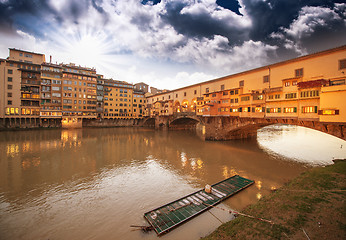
(228, 172)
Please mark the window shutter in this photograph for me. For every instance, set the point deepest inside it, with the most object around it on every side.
(268, 110)
(279, 110)
(320, 112)
(316, 109)
(240, 109)
(295, 109)
(337, 112)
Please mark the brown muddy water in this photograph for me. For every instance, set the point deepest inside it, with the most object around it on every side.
(95, 183)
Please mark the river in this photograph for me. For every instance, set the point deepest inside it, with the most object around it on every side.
(94, 183)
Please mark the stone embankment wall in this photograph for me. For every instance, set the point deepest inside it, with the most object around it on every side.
(28, 123)
(34, 123)
(112, 122)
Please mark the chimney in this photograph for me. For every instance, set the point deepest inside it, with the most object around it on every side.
(50, 59)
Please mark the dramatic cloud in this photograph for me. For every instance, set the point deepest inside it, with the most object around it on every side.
(163, 42)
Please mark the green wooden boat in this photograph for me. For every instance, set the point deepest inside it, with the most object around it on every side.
(171, 215)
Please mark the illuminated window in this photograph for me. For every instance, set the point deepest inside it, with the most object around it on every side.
(7, 111)
(273, 110)
(287, 84)
(257, 97)
(310, 109)
(258, 109)
(328, 112)
(290, 109)
(235, 110)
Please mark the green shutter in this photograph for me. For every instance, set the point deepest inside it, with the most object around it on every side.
(279, 110)
(268, 110)
(315, 109)
(295, 110)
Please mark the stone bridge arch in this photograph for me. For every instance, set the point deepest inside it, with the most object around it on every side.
(226, 128)
(149, 122)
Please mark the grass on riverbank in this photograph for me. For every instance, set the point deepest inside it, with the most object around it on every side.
(307, 207)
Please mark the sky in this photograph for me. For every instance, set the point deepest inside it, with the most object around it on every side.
(171, 43)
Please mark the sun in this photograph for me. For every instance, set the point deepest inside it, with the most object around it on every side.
(87, 51)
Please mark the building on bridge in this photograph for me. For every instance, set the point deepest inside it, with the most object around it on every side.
(307, 87)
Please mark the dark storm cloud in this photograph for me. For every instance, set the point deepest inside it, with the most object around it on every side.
(30, 15)
(232, 5)
(154, 2)
(268, 16)
(9, 10)
(201, 25)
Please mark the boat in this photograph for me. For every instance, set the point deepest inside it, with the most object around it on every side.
(173, 214)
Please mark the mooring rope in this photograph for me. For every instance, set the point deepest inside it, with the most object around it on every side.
(240, 213)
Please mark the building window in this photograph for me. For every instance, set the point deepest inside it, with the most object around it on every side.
(290, 95)
(176, 95)
(337, 82)
(184, 94)
(273, 110)
(222, 87)
(9, 79)
(287, 84)
(342, 64)
(9, 71)
(299, 72)
(206, 90)
(195, 92)
(241, 83)
(9, 87)
(290, 110)
(257, 97)
(328, 112)
(9, 94)
(246, 98)
(309, 109)
(266, 79)
(9, 102)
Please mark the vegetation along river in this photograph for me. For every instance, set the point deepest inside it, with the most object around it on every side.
(95, 183)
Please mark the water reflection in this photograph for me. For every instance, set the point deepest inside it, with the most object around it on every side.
(301, 144)
(109, 177)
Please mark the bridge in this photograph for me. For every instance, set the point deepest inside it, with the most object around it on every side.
(308, 91)
(235, 127)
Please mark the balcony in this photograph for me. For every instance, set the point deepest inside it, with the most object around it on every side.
(31, 82)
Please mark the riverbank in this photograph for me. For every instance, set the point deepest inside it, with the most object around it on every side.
(309, 207)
